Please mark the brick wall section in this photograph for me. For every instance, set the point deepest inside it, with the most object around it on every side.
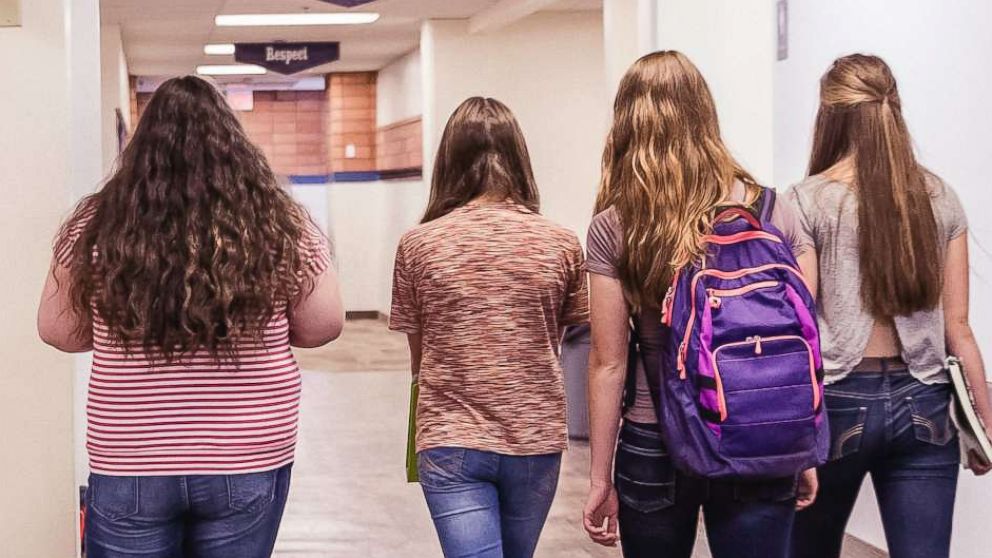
(306, 132)
(289, 127)
(351, 121)
(140, 103)
(133, 87)
(399, 145)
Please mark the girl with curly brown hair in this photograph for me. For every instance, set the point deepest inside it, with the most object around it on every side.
(189, 274)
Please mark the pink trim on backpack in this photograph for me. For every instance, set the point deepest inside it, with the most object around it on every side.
(684, 347)
(740, 237)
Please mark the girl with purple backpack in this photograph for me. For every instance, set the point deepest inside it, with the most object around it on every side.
(892, 245)
(667, 176)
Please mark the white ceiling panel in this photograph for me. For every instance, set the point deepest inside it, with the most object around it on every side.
(167, 38)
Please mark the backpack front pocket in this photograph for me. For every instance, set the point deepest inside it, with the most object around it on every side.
(767, 393)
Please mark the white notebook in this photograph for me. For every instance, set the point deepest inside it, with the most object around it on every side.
(971, 429)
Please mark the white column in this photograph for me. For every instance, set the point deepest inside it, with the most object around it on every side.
(115, 91)
(548, 68)
(733, 44)
(44, 142)
(629, 31)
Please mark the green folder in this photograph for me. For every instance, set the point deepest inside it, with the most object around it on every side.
(411, 436)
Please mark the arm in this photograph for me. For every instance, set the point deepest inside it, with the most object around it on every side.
(59, 325)
(317, 317)
(808, 265)
(415, 340)
(607, 374)
(961, 340)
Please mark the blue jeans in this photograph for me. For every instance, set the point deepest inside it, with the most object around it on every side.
(488, 505)
(659, 506)
(203, 516)
(898, 430)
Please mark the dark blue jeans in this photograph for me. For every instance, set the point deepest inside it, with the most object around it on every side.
(208, 516)
(898, 430)
(488, 505)
(659, 506)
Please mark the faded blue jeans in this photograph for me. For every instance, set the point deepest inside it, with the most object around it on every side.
(199, 516)
(488, 505)
(889, 425)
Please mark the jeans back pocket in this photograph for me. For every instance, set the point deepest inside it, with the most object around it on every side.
(252, 492)
(440, 467)
(847, 428)
(113, 498)
(932, 417)
(644, 473)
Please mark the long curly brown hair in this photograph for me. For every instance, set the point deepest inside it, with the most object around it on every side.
(191, 244)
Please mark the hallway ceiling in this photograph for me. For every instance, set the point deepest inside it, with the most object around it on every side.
(167, 38)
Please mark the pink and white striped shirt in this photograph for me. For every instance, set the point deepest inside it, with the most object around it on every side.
(199, 414)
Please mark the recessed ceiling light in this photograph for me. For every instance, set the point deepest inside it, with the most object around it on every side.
(230, 70)
(219, 49)
(309, 18)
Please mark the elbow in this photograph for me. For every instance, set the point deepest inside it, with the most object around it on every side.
(607, 373)
(318, 337)
(63, 342)
(958, 331)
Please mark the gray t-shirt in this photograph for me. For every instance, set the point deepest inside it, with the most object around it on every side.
(828, 213)
(604, 250)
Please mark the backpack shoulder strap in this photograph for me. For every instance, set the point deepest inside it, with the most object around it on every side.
(767, 209)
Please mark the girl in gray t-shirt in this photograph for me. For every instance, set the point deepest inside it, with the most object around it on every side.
(892, 288)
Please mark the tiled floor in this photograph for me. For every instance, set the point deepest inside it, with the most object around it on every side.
(349, 497)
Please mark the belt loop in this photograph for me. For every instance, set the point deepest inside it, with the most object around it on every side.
(885, 365)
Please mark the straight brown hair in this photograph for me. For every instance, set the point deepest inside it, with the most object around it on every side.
(860, 117)
(482, 153)
(665, 169)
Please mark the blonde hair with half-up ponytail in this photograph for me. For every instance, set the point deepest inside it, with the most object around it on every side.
(665, 168)
(860, 118)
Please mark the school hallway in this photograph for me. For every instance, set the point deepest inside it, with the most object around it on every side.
(349, 497)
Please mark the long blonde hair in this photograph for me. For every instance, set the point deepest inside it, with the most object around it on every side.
(665, 169)
(860, 117)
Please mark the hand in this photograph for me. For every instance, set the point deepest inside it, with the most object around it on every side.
(978, 465)
(600, 514)
(809, 485)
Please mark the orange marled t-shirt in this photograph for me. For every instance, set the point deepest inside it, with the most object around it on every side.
(490, 287)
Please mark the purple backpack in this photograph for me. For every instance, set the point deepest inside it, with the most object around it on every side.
(741, 387)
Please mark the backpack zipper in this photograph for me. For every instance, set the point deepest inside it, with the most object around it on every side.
(757, 340)
(684, 346)
(669, 300)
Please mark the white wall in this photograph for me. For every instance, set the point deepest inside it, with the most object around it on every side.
(366, 220)
(940, 53)
(399, 92)
(116, 90)
(549, 69)
(629, 31)
(42, 147)
(733, 44)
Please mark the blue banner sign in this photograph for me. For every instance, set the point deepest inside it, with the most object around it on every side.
(348, 3)
(287, 58)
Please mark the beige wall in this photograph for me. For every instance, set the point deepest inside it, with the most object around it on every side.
(37, 518)
(549, 69)
(399, 95)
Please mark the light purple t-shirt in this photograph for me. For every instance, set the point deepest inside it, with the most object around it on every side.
(604, 250)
